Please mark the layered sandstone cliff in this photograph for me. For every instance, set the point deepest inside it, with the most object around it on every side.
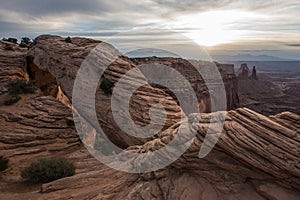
(12, 66)
(256, 157)
(189, 70)
(62, 60)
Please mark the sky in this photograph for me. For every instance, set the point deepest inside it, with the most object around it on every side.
(216, 27)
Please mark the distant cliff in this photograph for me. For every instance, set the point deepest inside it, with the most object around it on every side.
(186, 68)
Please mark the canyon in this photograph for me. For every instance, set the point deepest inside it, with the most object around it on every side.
(256, 156)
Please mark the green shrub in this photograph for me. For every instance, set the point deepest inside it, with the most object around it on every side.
(25, 42)
(3, 164)
(70, 123)
(12, 40)
(68, 40)
(8, 48)
(16, 87)
(48, 169)
(22, 45)
(12, 100)
(106, 86)
(20, 86)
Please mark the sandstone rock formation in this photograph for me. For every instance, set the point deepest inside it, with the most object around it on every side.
(254, 74)
(12, 66)
(230, 171)
(256, 157)
(61, 60)
(243, 72)
(187, 68)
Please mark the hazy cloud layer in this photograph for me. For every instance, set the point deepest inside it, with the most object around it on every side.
(293, 45)
(276, 22)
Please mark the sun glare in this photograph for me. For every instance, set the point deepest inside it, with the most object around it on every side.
(214, 27)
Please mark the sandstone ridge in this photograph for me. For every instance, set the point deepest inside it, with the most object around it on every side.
(256, 157)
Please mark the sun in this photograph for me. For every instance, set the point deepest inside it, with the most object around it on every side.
(214, 27)
(212, 37)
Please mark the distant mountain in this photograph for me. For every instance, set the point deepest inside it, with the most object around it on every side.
(149, 52)
(248, 57)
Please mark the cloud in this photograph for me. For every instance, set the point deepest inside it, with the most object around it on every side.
(121, 13)
(278, 21)
(293, 45)
(46, 7)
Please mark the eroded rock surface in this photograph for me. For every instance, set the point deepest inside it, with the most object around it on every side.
(189, 70)
(256, 157)
(250, 161)
(12, 59)
(62, 60)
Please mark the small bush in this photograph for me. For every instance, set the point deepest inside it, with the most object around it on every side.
(12, 100)
(8, 48)
(16, 87)
(70, 123)
(68, 40)
(26, 41)
(106, 86)
(3, 164)
(12, 40)
(22, 45)
(48, 169)
(20, 86)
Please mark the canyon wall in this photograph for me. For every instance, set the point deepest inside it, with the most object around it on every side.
(188, 70)
(256, 157)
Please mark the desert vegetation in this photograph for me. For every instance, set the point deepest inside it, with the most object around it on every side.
(25, 41)
(106, 86)
(68, 40)
(12, 40)
(17, 87)
(48, 169)
(70, 123)
(3, 164)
